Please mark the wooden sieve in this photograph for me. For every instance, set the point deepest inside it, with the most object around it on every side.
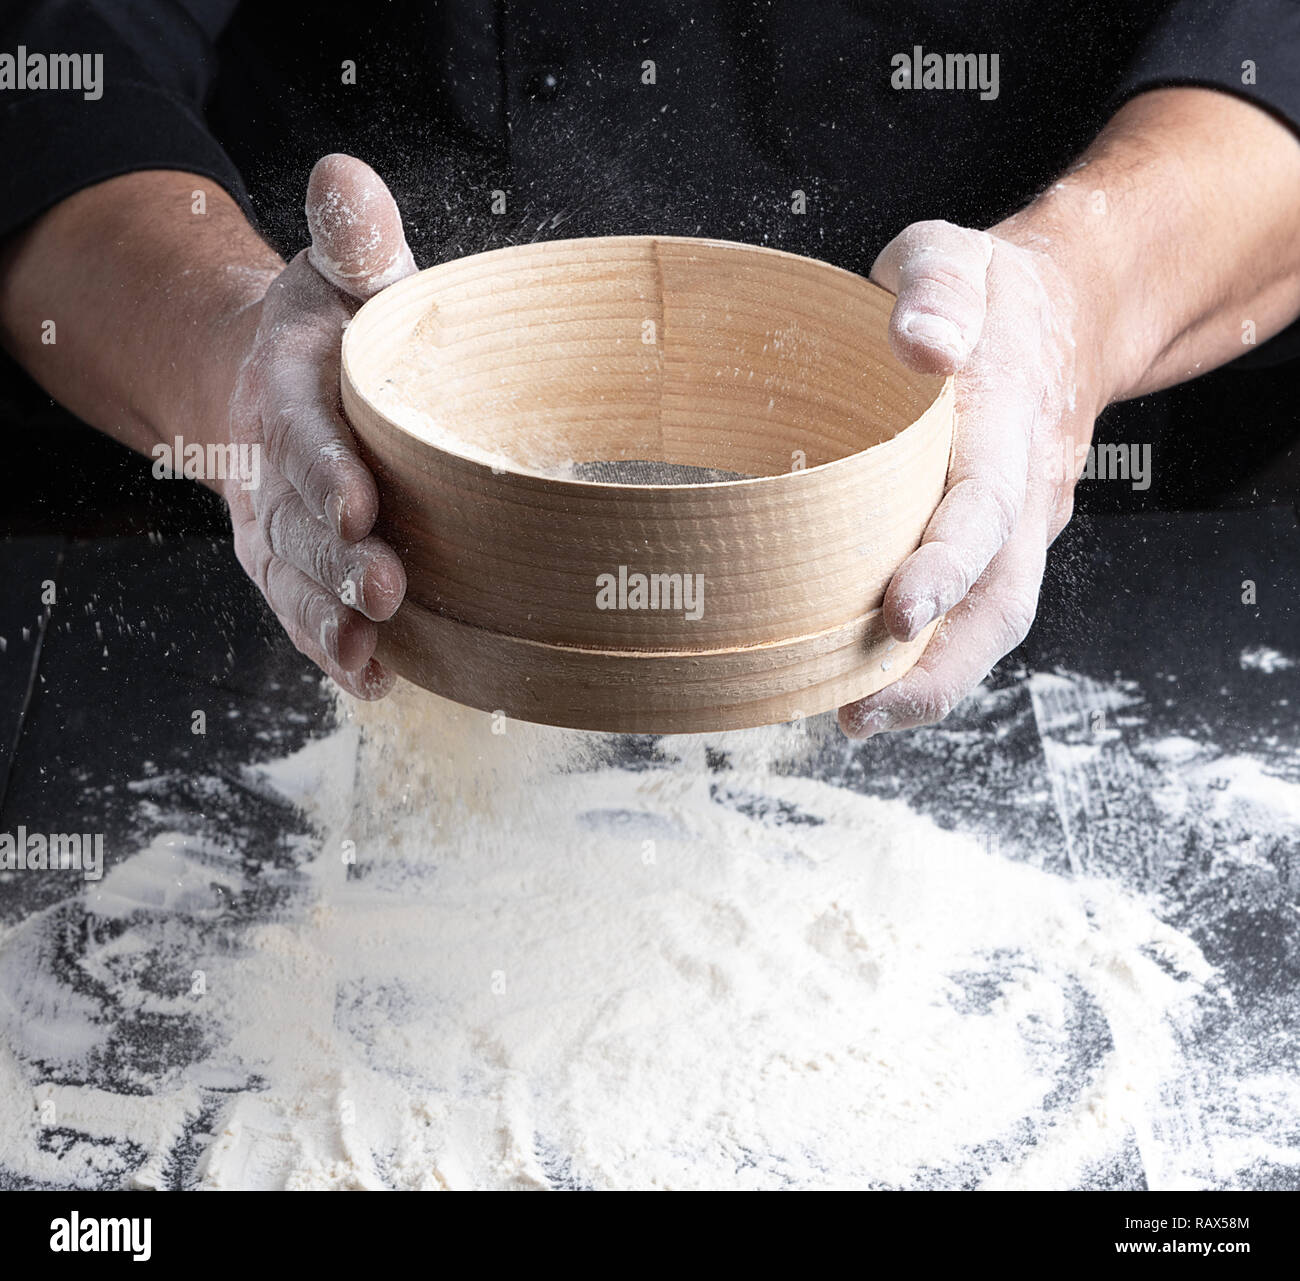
(553, 425)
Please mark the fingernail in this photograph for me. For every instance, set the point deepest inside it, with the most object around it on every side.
(935, 332)
(334, 510)
(869, 723)
(329, 637)
(375, 680)
(382, 597)
(917, 615)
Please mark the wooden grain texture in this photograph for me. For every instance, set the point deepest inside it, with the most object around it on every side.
(679, 351)
(646, 692)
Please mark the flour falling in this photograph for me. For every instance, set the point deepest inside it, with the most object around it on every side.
(521, 957)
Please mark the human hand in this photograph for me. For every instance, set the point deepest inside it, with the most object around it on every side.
(1004, 319)
(303, 535)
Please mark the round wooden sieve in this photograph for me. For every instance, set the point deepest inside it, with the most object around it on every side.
(501, 398)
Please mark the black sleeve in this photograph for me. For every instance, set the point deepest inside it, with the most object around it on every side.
(157, 64)
(1250, 48)
(1247, 47)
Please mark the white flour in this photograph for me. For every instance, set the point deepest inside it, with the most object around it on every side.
(545, 970)
(394, 402)
(1264, 658)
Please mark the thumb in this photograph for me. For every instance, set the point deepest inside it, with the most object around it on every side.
(937, 270)
(357, 242)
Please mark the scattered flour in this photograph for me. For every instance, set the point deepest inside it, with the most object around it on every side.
(1262, 658)
(394, 402)
(512, 963)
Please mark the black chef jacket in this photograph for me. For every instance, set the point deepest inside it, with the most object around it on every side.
(794, 123)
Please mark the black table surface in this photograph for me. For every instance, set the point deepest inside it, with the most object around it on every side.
(99, 686)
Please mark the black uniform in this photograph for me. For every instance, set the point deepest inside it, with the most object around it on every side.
(683, 116)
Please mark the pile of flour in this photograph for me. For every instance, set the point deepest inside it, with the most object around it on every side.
(544, 969)
(515, 958)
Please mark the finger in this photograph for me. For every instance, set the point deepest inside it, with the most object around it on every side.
(365, 575)
(312, 616)
(993, 619)
(357, 242)
(938, 271)
(310, 443)
(982, 505)
(999, 404)
(373, 681)
(302, 610)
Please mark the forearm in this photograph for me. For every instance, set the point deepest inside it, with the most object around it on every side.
(149, 303)
(1180, 224)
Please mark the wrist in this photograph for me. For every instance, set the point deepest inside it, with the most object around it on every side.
(1073, 233)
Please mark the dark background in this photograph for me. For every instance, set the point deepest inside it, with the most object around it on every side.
(155, 619)
(545, 101)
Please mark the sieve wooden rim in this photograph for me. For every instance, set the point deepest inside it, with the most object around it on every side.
(513, 554)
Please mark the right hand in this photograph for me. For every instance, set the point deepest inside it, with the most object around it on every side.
(304, 534)
(995, 310)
